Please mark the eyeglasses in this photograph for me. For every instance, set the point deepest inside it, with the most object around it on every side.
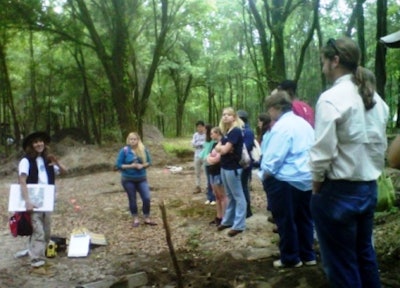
(332, 43)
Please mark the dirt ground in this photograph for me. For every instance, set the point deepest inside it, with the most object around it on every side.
(91, 197)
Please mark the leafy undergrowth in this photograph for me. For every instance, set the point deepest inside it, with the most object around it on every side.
(178, 147)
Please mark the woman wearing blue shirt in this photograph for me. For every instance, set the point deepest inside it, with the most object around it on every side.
(286, 176)
(132, 161)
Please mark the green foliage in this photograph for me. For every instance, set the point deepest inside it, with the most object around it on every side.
(214, 42)
(386, 193)
(180, 147)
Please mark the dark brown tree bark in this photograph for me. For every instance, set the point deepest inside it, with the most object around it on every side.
(114, 64)
(141, 96)
(277, 15)
(252, 50)
(264, 44)
(308, 40)
(87, 107)
(380, 52)
(9, 112)
(182, 91)
(357, 21)
(361, 30)
(33, 94)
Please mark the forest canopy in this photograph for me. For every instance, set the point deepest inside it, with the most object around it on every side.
(105, 68)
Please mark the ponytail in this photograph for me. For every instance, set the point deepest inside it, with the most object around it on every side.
(349, 54)
(365, 80)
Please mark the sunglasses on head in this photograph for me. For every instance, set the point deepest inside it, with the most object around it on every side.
(332, 43)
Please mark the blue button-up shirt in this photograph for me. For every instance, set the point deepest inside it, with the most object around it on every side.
(286, 151)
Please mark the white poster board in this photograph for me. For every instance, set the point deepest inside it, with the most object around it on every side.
(79, 245)
(41, 195)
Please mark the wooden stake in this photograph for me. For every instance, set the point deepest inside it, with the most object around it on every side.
(170, 245)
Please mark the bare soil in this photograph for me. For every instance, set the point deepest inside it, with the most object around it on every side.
(91, 197)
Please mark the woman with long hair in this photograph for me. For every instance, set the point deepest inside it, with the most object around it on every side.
(37, 166)
(132, 161)
(230, 147)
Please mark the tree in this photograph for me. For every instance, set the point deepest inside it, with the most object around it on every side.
(7, 103)
(380, 52)
(277, 13)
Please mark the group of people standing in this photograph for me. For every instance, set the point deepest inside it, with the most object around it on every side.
(318, 173)
(219, 149)
(326, 177)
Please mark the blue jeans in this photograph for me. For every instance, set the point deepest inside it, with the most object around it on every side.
(267, 196)
(210, 193)
(343, 212)
(142, 187)
(290, 208)
(235, 213)
(245, 179)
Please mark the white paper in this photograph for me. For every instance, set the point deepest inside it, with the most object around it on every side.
(41, 195)
(79, 245)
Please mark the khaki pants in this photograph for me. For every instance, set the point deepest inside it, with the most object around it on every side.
(198, 164)
(41, 223)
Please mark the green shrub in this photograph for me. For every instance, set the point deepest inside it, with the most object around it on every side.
(180, 147)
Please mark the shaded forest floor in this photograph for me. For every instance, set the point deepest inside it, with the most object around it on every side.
(91, 196)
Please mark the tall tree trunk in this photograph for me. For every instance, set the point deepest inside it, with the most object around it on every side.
(114, 66)
(87, 106)
(361, 31)
(264, 45)
(210, 97)
(251, 48)
(182, 94)
(357, 19)
(141, 99)
(308, 40)
(8, 96)
(278, 16)
(380, 52)
(33, 94)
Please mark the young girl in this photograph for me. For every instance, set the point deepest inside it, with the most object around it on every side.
(132, 161)
(214, 169)
(208, 145)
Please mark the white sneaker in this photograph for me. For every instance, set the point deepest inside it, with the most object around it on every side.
(37, 263)
(212, 203)
(21, 253)
(207, 202)
(310, 263)
(279, 264)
